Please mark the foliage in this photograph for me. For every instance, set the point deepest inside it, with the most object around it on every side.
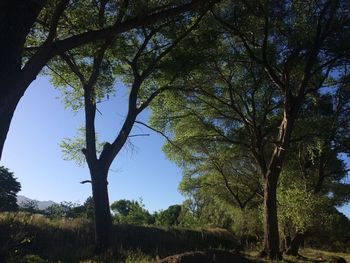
(141, 58)
(71, 210)
(315, 168)
(72, 147)
(9, 187)
(332, 234)
(169, 216)
(131, 212)
(273, 80)
(299, 210)
(30, 206)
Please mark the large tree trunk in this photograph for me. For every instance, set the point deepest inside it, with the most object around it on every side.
(16, 19)
(271, 234)
(271, 175)
(102, 214)
(7, 109)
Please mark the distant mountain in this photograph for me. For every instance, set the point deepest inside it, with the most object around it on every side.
(42, 205)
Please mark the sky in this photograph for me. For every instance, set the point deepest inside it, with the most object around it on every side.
(33, 154)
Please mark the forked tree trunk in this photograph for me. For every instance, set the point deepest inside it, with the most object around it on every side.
(271, 175)
(102, 214)
(271, 234)
(287, 241)
(295, 244)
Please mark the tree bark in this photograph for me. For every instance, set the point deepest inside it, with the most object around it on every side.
(287, 241)
(271, 175)
(102, 214)
(7, 109)
(16, 19)
(295, 244)
(271, 234)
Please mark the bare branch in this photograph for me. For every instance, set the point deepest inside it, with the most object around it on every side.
(159, 132)
(86, 181)
(96, 67)
(150, 68)
(73, 66)
(139, 135)
(34, 65)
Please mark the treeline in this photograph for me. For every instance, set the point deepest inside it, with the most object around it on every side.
(319, 227)
(129, 212)
(308, 217)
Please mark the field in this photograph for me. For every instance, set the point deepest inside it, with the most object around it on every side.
(32, 238)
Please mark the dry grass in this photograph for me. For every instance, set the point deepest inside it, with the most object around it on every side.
(33, 238)
(322, 256)
(307, 255)
(38, 237)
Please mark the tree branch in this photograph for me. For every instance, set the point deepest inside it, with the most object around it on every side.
(60, 8)
(86, 181)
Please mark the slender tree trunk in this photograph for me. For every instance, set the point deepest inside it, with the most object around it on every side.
(287, 241)
(295, 244)
(102, 214)
(271, 234)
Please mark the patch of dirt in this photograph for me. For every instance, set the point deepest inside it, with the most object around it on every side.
(212, 256)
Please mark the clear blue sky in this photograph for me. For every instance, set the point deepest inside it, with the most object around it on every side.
(32, 152)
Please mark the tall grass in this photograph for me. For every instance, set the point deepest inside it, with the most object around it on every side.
(65, 240)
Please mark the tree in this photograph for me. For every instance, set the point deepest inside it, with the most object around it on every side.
(314, 172)
(30, 206)
(9, 187)
(35, 31)
(131, 212)
(296, 219)
(297, 53)
(71, 210)
(89, 208)
(55, 211)
(256, 82)
(169, 216)
(144, 60)
(233, 203)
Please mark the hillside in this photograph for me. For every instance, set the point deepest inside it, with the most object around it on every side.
(42, 205)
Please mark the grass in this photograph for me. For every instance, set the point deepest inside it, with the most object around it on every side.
(27, 238)
(39, 239)
(322, 255)
(307, 255)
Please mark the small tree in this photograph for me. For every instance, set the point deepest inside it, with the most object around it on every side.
(169, 216)
(143, 59)
(9, 187)
(30, 206)
(299, 210)
(89, 208)
(55, 211)
(131, 212)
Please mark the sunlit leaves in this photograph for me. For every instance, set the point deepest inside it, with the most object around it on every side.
(73, 148)
(300, 209)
